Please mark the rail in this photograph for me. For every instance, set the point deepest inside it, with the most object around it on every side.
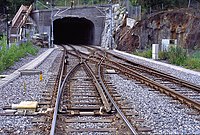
(53, 125)
(155, 85)
(132, 129)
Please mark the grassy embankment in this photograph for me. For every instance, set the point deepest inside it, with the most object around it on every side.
(177, 56)
(9, 56)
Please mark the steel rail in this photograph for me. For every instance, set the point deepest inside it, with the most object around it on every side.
(60, 90)
(99, 88)
(151, 83)
(61, 87)
(156, 72)
(132, 129)
(166, 76)
(156, 85)
(60, 78)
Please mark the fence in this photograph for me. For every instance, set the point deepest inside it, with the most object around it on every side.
(183, 4)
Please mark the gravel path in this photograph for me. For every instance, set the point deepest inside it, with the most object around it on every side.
(162, 114)
(26, 87)
(22, 62)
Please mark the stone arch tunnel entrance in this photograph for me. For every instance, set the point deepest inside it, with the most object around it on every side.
(73, 30)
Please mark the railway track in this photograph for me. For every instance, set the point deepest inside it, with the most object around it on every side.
(181, 90)
(100, 62)
(86, 103)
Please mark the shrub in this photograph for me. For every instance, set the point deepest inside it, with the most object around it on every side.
(9, 56)
(192, 63)
(196, 54)
(177, 55)
(162, 55)
(146, 53)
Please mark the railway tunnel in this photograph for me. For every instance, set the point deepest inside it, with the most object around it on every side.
(73, 30)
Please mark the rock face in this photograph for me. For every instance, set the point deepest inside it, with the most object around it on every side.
(182, 24)
(2, 24)
(118, 15)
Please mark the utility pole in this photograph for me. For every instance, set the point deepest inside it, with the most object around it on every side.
(51, 37)
(111, 20)
(35, 3)
(7, 27)
(7, 23)
(189, 3)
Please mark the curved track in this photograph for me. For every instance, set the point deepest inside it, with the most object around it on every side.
(84, 98)
(181, 90)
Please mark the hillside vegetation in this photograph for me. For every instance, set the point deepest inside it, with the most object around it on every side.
(13, 5)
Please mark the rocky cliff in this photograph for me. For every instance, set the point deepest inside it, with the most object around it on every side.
(182, 24)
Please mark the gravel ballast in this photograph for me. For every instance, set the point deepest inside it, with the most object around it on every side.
(163, 114)
(24, 88)
(159, 112)
(185, 74)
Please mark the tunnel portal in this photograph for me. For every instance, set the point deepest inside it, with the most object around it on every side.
(73, 30)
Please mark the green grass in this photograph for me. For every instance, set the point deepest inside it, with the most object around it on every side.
(176, 56)
(9, 56)
(145, 53)
(193, 61)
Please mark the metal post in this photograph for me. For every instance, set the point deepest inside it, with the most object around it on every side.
(111, 47)
(7, 27)
(35, 1)
(51, 37)
(189, 3)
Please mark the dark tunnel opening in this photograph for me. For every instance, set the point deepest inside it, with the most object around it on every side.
(73, 30)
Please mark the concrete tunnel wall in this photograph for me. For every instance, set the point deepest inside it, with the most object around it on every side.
(42, 19)
(73, 30)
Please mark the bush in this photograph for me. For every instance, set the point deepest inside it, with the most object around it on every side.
(146, 53)
(192, 63)
(9, 56)
(177, 55)
(196, 54)
(162, 55)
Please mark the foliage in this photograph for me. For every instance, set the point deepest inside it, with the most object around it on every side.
(172, 3)
(177, 55)
(162, 55)
(15, 4)
(145, 53)
(196, 54)
(9, 56)
(192, 63)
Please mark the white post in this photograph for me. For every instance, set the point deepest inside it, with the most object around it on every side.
(155, 48)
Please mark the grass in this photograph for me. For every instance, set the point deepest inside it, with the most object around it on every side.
(145, 53)
(9, 56)
(177, 56)
(193, 61)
